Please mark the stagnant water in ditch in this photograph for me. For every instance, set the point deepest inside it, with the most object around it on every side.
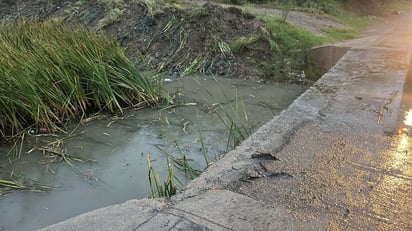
(120, 147)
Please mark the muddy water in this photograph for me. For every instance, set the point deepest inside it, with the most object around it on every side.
(120, 147)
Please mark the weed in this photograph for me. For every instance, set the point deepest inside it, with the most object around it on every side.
(193, 68)
(322, 6)
(286, 7)
(231, 119)
(236, 133)
(114, 10)
(224, 48)
(153, 7)
(203, 147)
(111, 17)
(239, 44)
(197, 12)
(291, 48)
(183, 163)
(73, 10)
(167, 189)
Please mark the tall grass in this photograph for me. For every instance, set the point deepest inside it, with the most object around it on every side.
(167, 189)
(234, 117)
(50, 73)
(291, 47)
(183, 163)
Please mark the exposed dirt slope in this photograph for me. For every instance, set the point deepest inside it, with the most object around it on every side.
(174, 41)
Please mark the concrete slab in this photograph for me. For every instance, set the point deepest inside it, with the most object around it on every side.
(232, 211)
(125, 216)
(222, 210)
(213, 210)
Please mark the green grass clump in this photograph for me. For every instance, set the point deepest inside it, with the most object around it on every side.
(50, 72)
(288, 37)
(239, 44)
(152, 6)
(167, 189)
(114, 10)
(291, 47)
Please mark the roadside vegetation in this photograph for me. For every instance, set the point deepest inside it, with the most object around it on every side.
(357, 15)
(51, 73)
(331, 7)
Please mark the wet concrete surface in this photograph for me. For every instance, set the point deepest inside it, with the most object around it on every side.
(334, 160)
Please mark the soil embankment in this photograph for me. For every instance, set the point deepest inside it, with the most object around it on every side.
(175, 40)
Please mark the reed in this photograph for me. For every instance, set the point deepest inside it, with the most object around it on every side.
(183, 163)
(167, 189)
(233, 117)
(51, 72)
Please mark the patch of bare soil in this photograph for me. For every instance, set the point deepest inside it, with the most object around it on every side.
(185, 41)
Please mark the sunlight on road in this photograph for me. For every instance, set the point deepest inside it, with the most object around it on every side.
(393, 192)
(401, 158)
(408, 118)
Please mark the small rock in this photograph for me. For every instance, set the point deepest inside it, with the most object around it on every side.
(252, 174)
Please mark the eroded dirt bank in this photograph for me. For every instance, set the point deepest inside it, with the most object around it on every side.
(176, 40)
